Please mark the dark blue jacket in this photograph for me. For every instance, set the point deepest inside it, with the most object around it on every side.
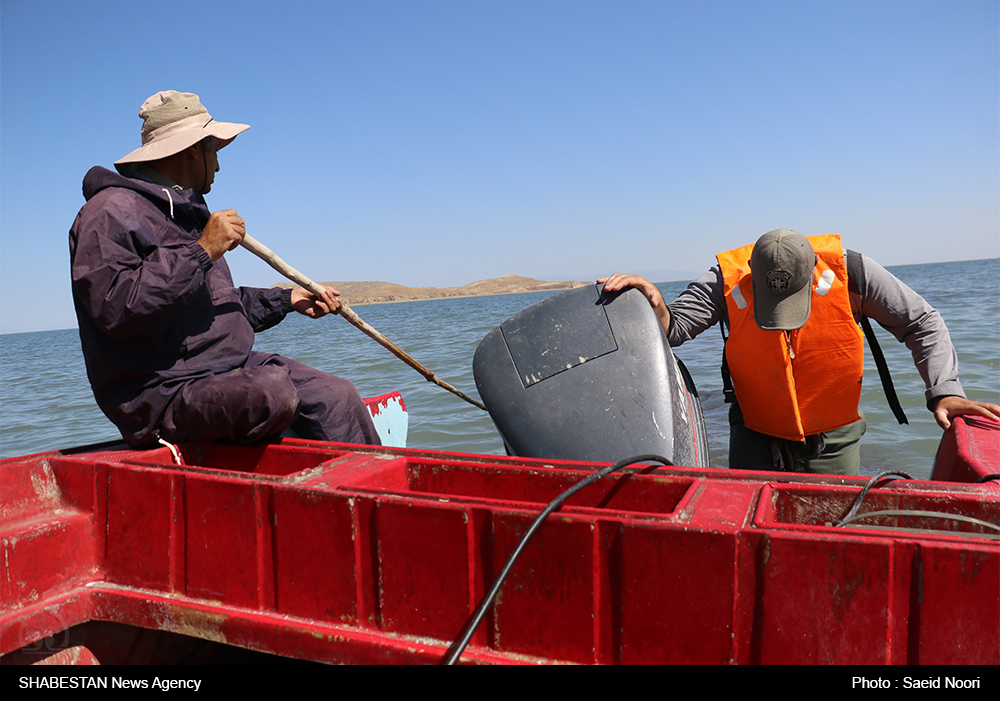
(154, 311)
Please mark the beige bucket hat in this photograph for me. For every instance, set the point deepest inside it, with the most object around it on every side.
(781, 266)
(172, 121)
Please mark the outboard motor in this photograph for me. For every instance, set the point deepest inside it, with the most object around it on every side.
(585, 375)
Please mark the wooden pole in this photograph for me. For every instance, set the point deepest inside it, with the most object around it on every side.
(269, 257)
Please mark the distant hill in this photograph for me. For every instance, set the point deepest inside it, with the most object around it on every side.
(653, 275)
(358, 293)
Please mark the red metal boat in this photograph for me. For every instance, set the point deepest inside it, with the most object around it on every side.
(341, 553)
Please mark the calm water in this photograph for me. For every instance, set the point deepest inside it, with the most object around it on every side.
(45, 400)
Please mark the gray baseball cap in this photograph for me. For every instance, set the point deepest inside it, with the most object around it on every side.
(782, 265)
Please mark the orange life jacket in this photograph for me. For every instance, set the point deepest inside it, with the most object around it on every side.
(815, 389)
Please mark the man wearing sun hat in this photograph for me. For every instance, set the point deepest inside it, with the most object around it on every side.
(167, 337)
(794, 357)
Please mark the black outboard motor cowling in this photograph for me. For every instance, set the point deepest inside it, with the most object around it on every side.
(585, 375)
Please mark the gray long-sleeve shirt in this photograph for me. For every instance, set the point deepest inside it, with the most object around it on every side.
(885, 298)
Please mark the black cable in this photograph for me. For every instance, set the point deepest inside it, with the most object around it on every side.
(459, 645)
(922, 514)
(861, 497)
(852, 515)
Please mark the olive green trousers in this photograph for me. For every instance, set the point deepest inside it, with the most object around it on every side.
(750, 450)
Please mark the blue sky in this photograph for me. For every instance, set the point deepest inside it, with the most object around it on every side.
(440, 143)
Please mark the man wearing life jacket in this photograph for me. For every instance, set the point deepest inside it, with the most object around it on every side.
(795, 352)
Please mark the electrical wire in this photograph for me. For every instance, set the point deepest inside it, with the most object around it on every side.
(921, 514)
(861, 497)
(853, 515)
(456, 649)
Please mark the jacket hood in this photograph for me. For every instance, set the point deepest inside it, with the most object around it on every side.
(98, 178)
(188, 201)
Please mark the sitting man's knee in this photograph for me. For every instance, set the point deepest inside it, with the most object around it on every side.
(245, 406)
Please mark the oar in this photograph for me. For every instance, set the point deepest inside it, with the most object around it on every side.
(269, 257)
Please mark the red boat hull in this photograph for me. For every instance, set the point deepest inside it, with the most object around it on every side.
(969, 452)
(340, 553)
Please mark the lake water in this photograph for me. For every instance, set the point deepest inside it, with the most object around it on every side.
(46, 403)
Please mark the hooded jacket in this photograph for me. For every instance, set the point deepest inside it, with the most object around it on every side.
(154, 311)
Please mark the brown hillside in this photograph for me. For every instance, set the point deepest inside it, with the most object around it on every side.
(358, 293)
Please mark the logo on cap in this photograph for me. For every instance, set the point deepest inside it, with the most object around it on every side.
(778, 281)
